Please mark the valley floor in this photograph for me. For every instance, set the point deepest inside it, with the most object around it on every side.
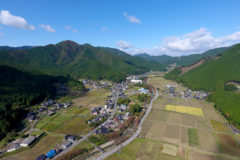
(193, 130)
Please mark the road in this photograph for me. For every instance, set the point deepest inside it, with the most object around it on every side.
(90, 133)
(135, 135)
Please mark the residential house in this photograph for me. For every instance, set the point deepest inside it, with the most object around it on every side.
(71, 138)
(66, 145)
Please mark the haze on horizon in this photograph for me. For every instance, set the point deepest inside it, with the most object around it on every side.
(155, 27)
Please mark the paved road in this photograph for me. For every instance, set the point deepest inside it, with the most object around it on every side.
(135, 135)
(90, 133)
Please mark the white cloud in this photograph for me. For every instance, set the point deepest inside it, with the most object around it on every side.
(195, 42)
(71, 29)
(131, 18)
(104, 29)
(47, 27)
(123, 45)
(8, 19)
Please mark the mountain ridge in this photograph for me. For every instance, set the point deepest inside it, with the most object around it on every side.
(68, 58)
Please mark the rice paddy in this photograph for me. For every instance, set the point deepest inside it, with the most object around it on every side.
(184, 109)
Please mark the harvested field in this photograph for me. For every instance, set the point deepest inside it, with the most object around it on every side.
(144, 149)
(200, 156)
(188, 121)
(203, 124)
(212, 114)
(208, 141)
(184, 136)
(98, 97)
(172, 134)
(186, 110)
(170, 149)
(218, 126)
(228, 145)
(146, 127)
(156, 130)
(158, 115)
(47, 143)
(174, 118)
(193, 139)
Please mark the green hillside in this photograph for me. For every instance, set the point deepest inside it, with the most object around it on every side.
(79, 61)
(183, 60)
(212, 76)
(19, 90)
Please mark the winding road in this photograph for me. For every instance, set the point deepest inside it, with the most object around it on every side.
(135, 135)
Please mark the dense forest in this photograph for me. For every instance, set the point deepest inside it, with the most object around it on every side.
(213, 76)
(19, 90)
(78, 61)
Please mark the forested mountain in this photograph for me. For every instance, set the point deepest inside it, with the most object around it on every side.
(137, 61)
(15, 48)
(19, 90)
(182, 60)
(70, 58)
(214, 76)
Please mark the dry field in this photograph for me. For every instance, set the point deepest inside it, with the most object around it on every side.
(93, 98)
(171, 119)
(146, 149)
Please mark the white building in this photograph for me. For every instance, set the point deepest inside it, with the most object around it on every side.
(26, 142)
(136, 81)
(13, 147)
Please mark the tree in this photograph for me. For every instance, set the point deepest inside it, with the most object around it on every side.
(135, 108)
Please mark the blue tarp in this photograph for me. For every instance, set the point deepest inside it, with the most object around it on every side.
(51, 153)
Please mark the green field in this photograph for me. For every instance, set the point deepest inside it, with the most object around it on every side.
(193, 139)
(52, 123)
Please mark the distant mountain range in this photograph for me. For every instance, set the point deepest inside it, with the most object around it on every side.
(68, 58)
(15, 48)
(182, 60)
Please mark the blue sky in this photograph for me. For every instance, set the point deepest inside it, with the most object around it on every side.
(173, 27)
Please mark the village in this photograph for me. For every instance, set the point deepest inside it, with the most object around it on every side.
(185, 94)
(100, 116)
